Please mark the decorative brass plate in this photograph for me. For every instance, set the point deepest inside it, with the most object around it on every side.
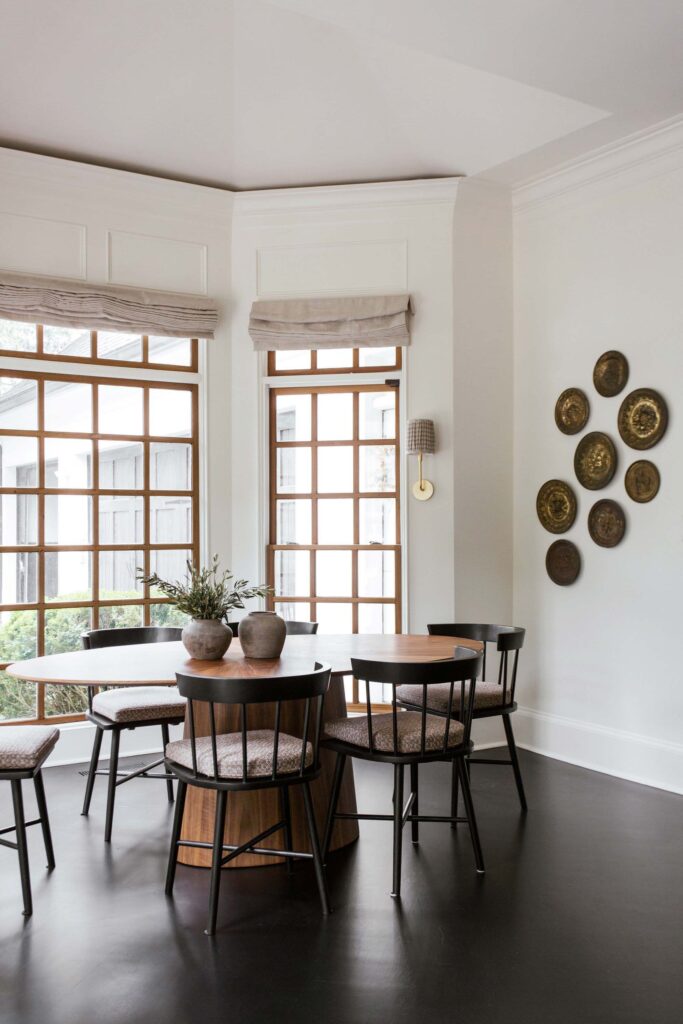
(595, 460)
(572, 411)
(606, 523)
(610, 374)
(642, 481)
(563, 562)
(556, 506)
(643, 418)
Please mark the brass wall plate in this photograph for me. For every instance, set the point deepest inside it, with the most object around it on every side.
(643, 418)
(556, 506)
(572, 410)
(595, 460)
(424, 492)
(610, 374)
(607, 523)
(563, 563)
(642, 481)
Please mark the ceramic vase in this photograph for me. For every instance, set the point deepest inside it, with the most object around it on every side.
(262, 635)
(206, 639)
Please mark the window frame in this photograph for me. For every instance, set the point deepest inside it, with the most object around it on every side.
(314, 370)
(94, 360)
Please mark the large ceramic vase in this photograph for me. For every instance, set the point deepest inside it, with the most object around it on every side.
(262, 635)
(206, 639)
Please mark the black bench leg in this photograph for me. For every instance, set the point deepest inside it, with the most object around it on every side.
(515, 761)
(175, 836)
(94, 761)
(216, 868)
(166, 739)
(111, 792)
(44, 820)
(414, 825)
(469, 810)
(454, 793)
(286, 812)
(398, 829)
(315, 847)
(334, 800)
(22, 847)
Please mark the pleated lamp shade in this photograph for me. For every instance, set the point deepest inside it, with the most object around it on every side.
(420, 437)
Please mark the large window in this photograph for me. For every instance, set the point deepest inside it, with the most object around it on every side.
(98, 477)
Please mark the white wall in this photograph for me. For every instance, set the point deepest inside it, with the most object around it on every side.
(598, 257)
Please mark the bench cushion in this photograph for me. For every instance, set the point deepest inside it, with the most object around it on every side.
(486, 695)
(229, 751)
(22, 747)
(409, 727)
(139, 703)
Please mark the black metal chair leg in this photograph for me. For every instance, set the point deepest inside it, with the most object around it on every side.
(454, 792)
(44, 820)
(414, 825)
(471, 819)
(22, 847)
(175, 836)
(94, 760)
(315, 848)
(515, 761)
(166, 739)
(339, 766)
(286, 812)
(219, 829)
(398, 829)
(111, 792)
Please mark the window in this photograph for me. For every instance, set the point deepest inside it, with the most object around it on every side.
(98, 477)
(333, 360)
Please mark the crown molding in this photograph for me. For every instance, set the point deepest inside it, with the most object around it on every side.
(645, 154)
(331, 197)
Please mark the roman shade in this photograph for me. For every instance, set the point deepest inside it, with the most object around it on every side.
(47, 300)
(358, 321)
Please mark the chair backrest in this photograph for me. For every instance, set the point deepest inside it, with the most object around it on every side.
(300, 628)
(508, 639)
(310, 687)
(94, 638)
(234, 626)
(463, 669)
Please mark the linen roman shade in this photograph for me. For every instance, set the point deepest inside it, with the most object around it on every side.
(358, 321)
(47, 300)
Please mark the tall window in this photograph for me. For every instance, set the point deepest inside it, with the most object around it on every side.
(98, 477)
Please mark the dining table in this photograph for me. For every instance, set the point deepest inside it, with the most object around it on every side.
(254, 811)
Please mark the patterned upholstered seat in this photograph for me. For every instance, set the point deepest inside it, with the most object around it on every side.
(139, 703)
(22, 747)
(486, 695)
(229, 754)
(409, 728)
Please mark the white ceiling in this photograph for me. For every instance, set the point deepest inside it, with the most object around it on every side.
(254, 94)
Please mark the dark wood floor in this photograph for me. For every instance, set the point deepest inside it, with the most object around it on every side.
(579, 918)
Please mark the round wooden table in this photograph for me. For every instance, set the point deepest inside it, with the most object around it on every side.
(251, 812)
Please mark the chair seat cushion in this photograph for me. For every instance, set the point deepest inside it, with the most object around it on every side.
(229, 754)
(22, 747)
(409, 727)
(139, 703)
(486, 695)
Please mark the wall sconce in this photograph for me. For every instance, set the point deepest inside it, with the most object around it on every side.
(421, 441)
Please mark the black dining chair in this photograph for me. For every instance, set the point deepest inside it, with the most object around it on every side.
(493, 699)
(402, 738)
(246, 760)
(23, 752)
(114, 709)
(294, 628)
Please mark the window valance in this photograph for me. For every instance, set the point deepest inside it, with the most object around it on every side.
(360, 321)
(95, 307)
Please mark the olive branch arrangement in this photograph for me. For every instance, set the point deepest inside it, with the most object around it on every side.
(207, 593)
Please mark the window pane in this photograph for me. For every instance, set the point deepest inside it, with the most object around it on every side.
(376, 618)
(115, 345)
(170, 519)
(333, 573)
(19, 523)
(17, 698)
(170, 412)
(335, 521)
(19, 580)
(121, 465)
(298, 611)
(335, 417)
(293, 360)
(68, 519)
(68, 407)
(68, 462)
(293, 418)
(170, 565)
(177, 351)
(377, 467)
(331, 357)
(68, 576)
(170, 466)
(377, 414)
(18, 404)
(66, 341)
(18, 336)
(18, 461)
(167, 615)
(334, 618)
(18, 635)
(65, 700)
(121, 616)
(293, 521)
(122, 519)
(377, 520)
(292, 573)
(119, 410)
(293, 470)
(335, 468)
(376, 573)
(118, 572)
(377, 357)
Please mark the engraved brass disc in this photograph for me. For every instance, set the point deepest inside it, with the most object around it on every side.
(643, 418)
(563, 562)
(610, 374)
(572, 411)
(606, 523)
(642, 481)
(595, 460)
(556, 506)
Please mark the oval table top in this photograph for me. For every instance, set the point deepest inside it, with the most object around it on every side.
(157, 664)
